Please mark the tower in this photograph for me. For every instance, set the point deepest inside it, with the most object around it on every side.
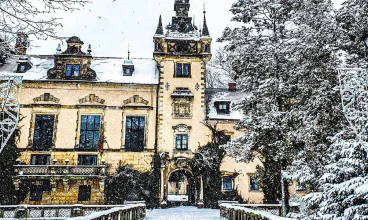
(181, 55)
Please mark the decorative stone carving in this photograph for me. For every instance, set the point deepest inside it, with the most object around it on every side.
(73, 63)
(181, 162)
(182, 108)
(182, 128)
(46, 97)
(136, 99)
(91, 98)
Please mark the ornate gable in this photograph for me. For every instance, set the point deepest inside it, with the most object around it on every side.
(91, 98)
(46, 97)
(73, 63)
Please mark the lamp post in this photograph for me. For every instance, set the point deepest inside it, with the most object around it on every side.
(54, 161)
(67, 161)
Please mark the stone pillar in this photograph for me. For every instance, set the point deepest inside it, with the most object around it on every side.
(163, 197)
(200, 203)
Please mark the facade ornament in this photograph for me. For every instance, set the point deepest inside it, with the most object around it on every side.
(197, 86)
(46, 97)
(91, 98)
(136, 99)
(167, 86)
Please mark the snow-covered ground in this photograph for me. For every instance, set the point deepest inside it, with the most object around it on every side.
(184, 213)
(177, 198)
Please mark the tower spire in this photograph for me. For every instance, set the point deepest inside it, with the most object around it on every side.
(205, 31)
(128, 52)
(159, 29)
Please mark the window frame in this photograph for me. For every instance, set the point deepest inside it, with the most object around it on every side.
(45, 157)
(86, 130)
(250, 183)
(128, 147)
(82, 197)
(219, 107)
(40, 131)
(182, 72)
(182, 146)
(230, 178)
(93, 158)
(72, 70)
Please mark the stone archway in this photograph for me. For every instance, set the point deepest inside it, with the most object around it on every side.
(178, 170)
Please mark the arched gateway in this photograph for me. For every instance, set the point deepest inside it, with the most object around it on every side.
(178, 184)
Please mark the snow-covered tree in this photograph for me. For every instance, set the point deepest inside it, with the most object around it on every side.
(34, 18)
(284, 56)
(343, 193)
(353, 23)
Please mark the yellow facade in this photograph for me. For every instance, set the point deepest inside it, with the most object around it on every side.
(169, 93)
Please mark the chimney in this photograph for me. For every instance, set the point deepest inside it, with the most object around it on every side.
(21, 44)
(232, 87)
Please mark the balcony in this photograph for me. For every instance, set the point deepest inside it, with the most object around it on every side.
(64, 171)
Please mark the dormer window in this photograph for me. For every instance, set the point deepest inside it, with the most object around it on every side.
(222, 107)
(24, 64)
(72, 64)
(128, 68)
(182, 70)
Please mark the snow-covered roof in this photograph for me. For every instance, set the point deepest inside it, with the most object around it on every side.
(223, 95)
(107, 70)
(176, 35)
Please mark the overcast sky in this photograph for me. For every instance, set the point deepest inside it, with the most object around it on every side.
(109, 26)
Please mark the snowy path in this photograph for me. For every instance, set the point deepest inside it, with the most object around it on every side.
(183, 213)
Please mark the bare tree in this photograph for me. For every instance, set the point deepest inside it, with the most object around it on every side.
(32, 18)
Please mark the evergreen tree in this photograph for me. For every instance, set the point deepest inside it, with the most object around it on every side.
(341, 167)
(285, 56)
(352, 19)
(8, 194)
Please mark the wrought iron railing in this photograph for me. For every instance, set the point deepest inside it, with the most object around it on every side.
(253, 211)
(96, 212)
(63, 170)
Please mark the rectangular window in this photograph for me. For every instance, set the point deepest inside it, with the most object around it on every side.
(84, 193)
(36, 194)
(22, 68)
(227, 183)
(253, 183)
(181, 142)
(134, 133)
(223, 109)
(87, 160)
(68, 70)
(186, 69)
(37, 189)
(89, 131)
(40, 159)
(76, 70)
(43, 132)
(182, 70)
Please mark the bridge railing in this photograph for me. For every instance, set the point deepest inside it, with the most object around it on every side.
(251, 211)
(129, 212)
(66, 211)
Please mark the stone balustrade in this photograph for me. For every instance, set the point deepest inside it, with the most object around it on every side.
(60, 170)
(251, 211)
(95, 212)
(128, 212)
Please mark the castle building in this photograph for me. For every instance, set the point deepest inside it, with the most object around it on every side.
(84, 114)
